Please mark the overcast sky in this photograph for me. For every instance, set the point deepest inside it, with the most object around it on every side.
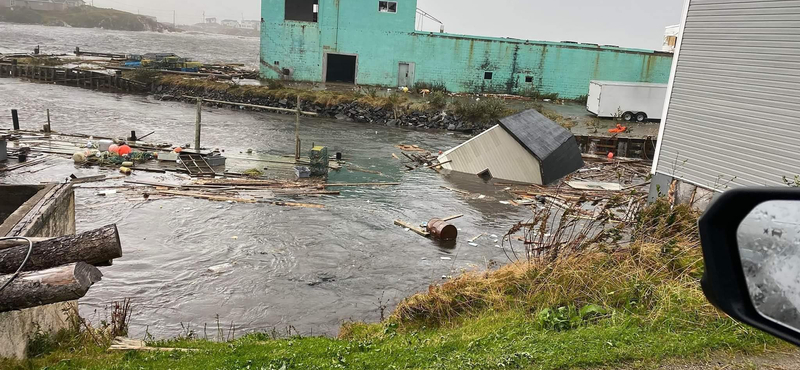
(627, 23)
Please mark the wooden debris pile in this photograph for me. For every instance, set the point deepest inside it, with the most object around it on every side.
(616, 189)
(238, 190)
(418, 158)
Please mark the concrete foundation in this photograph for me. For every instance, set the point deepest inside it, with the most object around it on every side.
(35, 211)
(17, 328)
(683, 192)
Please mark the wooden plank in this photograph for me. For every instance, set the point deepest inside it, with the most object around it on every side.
(362, 184)
(450, 218)
(252, 106)
(300, 205)
(439, 164)
(126, 344)
(217, 198)
(412, 228)
(597, 186)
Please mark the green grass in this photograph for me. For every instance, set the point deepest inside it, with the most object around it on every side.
(494, 340)
(605, 306)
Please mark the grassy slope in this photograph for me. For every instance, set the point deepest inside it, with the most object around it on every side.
(84, 17)
(491, 341)
(613, 305)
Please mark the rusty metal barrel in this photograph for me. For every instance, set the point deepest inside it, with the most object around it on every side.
(442, 230)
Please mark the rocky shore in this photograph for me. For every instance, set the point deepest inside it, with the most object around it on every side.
(349, 111)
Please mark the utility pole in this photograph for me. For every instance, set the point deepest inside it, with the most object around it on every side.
(197, 125)
(174, 24)
(297, 131)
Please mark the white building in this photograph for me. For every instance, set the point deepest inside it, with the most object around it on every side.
(211, 20)
(733, 105)
(231, 23)
(671, 38)
(252, 24)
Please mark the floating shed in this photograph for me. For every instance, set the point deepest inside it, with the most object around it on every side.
(525, 148)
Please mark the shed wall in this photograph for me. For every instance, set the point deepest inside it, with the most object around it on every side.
(498, 151)
(732, 114)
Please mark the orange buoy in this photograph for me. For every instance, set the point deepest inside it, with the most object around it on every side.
(125, 150)
(113, 148)
(178, 150)
(610, 155)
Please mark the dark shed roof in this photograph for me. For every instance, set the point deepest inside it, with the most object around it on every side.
(554, 146)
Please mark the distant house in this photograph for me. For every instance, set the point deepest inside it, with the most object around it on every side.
(231, 23)
(211, 20)
(48, 5)
(252, 24)
(525, 148)
(671, 38)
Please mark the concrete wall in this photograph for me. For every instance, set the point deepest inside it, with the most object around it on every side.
(17, 328)
(682, 192)
(383, 40)
(50, 212)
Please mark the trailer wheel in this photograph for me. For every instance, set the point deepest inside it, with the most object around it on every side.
(641, 117)
(627, 116)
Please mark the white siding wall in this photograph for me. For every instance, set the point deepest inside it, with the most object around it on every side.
(734, 111)
(498, 151)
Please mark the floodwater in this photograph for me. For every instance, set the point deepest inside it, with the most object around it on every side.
(260, 266)
(203, 47)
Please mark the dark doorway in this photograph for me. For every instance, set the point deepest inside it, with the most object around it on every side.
(341, 68)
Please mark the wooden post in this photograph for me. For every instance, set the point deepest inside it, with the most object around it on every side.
(32, 289)
(297, 131)
(15, 119)
(95, 247)
(47, 127)
(197, 124)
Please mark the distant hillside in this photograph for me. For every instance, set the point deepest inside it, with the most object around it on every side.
(83, 17)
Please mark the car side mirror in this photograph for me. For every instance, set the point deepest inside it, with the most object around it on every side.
(751, 248)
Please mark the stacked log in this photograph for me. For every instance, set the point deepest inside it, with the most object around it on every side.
(59, 284)
(59, 269)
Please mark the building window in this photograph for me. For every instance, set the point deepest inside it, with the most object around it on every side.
(387, 6)
(488, 75)
(302, 10)
(528, 79)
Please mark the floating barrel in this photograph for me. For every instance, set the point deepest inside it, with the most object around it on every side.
(442, 230)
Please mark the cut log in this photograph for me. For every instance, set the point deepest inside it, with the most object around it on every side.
(59, 284)
(93, 247)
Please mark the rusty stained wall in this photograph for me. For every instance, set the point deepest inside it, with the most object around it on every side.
(382, 41)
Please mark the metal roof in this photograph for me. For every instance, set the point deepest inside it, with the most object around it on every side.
(554, 146)
(535, 132)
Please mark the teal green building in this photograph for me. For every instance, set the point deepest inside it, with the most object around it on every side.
(372, 42)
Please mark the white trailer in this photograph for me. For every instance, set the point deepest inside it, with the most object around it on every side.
(631, 101)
